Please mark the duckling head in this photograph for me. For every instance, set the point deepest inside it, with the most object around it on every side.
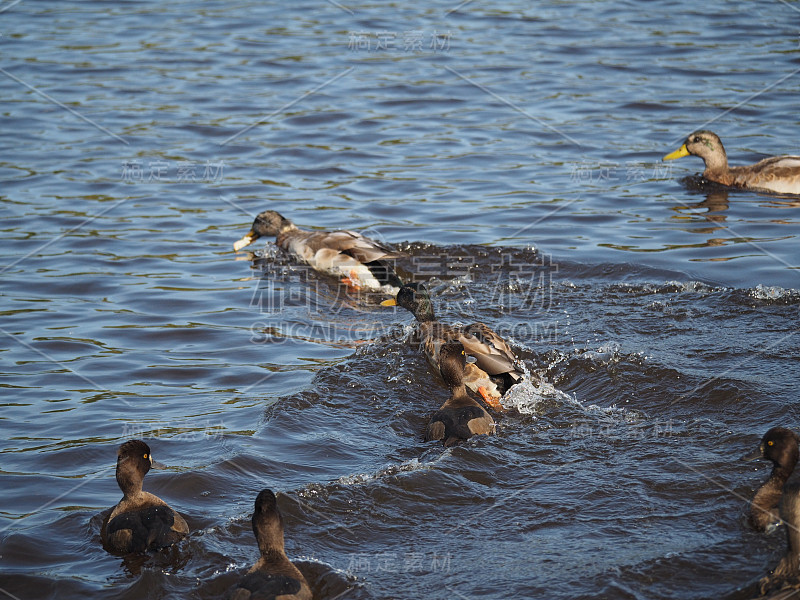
(267, 223)
(133, 463)
(779, 445)
(267, 522)
(452, 360)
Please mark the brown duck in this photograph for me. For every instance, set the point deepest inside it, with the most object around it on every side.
(779, 174)
(779, 445)
(140, 521)
(273, 576)
(460, 416)
(363, 262)
(495, 368)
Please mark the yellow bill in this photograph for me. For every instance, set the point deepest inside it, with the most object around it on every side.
(389, 302)
(245, 241)
(680, 152)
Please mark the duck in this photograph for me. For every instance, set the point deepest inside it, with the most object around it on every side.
(495, 367)
(784, 580)
(460, 417)
(273, 575)
(779, 174)
(780, 446)
(140, 521)
(364, 263)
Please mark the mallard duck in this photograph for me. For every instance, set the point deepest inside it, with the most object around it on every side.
(141, 521)
(273, 576)
(460, 416)
(779, 174)
(363, 262)
(494, 370)
(780, 446)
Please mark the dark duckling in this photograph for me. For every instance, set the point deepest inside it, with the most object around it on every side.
(460, 416)
(779, 174)
(780, 446)
(273, 576)
(141, 521)
(784, 581)
(363, 262)
(495, 368)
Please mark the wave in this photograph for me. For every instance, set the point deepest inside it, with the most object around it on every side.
(407, 466)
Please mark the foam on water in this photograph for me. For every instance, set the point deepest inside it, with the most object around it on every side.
(527, 396)
(407, 466)
(773, 292)
(605, 354)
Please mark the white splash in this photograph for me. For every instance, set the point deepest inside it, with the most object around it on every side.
(527, 395)
(270, 250)
(413, 464)
(771, 292)
(605, 354)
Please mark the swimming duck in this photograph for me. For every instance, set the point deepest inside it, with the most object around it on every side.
(460, 416)
(273, 575)
(141, 521)
(494, 370)
(784, 581)
(774, 174)
(362, 261)
(779, 445)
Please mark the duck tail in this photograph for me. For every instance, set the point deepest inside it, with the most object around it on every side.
(384, 271)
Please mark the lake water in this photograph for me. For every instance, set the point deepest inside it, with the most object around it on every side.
(514, 155)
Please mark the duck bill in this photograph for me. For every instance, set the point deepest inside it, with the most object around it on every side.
(679, 153)
(157, 465)
(245, 241)
(389, 302)
(755, 455)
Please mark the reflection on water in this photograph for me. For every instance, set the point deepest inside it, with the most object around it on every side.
(710, 209)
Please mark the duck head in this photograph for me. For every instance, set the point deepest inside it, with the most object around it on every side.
(706, 145)
(267, 223)
(780, 446)
(133, 463)
(267, 522)
(453, 360)
(415, 299)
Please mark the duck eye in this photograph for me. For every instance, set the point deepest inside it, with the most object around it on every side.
(145, 455)
(770, 443)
